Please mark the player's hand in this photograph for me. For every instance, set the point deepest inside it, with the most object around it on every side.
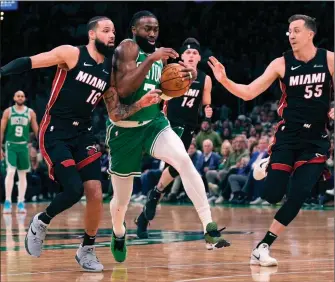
(164, 54)
(151, 98)
(187, 72)
(218, 69)
(331, 113)
(2, 154)
(165, 108)
(208, 111)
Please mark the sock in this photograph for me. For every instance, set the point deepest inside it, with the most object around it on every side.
(268, 239)
(45, 218)
(88, 240)
(22, 187)
(9, 182)
(195, 190)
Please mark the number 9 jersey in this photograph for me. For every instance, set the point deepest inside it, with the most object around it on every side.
(17, 129)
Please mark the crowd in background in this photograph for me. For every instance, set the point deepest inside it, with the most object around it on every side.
(224, 150)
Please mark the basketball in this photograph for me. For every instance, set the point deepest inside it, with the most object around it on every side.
(171, 83)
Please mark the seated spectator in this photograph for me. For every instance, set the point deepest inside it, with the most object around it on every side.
(215, 176)
(206, 132)
(209, 160)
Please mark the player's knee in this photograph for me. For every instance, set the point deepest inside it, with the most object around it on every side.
(93, 191)
(68, 177)
(173, 172)
(275, 186)
(10, 172)
(288, 211)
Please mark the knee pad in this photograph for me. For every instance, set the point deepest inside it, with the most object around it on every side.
(173, 172)
(69, 178)
(275, 185)
(288, 211)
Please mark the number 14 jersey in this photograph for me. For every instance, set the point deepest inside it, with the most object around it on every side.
(184, 110)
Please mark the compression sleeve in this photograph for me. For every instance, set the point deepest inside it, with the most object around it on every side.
(16, 66)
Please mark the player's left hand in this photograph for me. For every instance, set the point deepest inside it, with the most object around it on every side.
(188, 72)
(208, 111)
(151, 98)
(331, 113)
(218, 69)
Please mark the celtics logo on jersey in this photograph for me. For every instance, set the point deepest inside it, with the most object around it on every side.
(17, 129)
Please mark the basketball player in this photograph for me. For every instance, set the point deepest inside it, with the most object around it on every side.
(301, 143)
(66, 139)
(137, 67)
(182, 112)
(15, 124)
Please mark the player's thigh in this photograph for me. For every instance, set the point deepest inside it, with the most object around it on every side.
(125, 150)
(57, 154)
(304, 179)
(87, 157)
(153, 130)
(23, 161)
(169, 148)
(279, 170)
(11, 155)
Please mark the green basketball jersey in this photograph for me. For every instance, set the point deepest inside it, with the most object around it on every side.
(151, 81)
(18, 125)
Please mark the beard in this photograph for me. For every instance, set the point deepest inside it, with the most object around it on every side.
(145, 45)
(19, 103)
(104, 49)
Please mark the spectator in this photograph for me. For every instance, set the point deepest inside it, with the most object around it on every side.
(206, 132)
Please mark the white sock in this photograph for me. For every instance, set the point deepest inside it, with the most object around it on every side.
(22, 185)
(170, 148)
(9, 182)
(122, 188)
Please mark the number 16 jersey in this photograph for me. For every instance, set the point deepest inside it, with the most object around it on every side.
(75, 93)
(306, 89)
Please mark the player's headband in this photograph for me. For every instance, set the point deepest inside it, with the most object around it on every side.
(189, 46)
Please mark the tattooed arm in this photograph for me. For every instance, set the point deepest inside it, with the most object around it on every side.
(117, 111)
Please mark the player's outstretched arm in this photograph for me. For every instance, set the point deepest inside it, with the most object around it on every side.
(65, 54)
(129, 76)
(34, 124)
(117, 111)
(252, 90)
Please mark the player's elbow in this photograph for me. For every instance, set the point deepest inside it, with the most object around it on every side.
(114, 117)
(247, 94)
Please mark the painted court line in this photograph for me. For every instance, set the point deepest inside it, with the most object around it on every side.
(248, 275)
(163, 266)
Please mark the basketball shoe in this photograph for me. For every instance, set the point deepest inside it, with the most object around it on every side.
(118, 246)
(7, 208)
(142, 226)
(37, 231)
(214, 238)
(21, 208)
(150, 206)
(87, 259)
(261, 256)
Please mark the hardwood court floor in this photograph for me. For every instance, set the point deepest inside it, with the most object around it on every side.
(176, 251)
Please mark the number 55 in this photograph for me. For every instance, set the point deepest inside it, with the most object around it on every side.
(309, 91)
